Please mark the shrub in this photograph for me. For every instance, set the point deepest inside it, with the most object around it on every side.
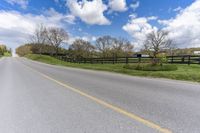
(162, 58)
(150, 67)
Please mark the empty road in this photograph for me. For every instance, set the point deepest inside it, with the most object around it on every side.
(41, 98)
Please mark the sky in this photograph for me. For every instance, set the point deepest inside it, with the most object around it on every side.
(90, 19)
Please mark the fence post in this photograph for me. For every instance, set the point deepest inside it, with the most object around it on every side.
(183, 60)
(139, 59)
(113, 59)
(189, 60)
(91, 61)
(172, 59)
(126, 60)
(199, 60)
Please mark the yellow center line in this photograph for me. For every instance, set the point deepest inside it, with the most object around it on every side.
(105, 104)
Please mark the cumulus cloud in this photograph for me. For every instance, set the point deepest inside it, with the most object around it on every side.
(152, 18)
(118, 5)
(56, 16)
(138, 28)
(70, 19)
(135, 5)
(89, 38)
(177, 9)
(185, 27)
(22, 3)
(90, 12)
(16, 28)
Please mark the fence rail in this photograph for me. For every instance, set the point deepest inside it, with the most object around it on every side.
(189, 59)
(186, 59)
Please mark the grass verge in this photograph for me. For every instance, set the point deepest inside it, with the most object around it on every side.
(150, 67)
(183, 72)
(7, 54)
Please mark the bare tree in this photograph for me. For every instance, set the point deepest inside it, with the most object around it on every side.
(122, 47)
(81, 48)
(56, 37)
(104, 45)
(157, 41)
(39, 34)
(39, 37)
(110, 46)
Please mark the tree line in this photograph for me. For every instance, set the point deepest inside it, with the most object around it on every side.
(4, 49)
(51, 40)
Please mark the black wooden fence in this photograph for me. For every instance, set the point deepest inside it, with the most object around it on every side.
(186, 59)
(108, 60)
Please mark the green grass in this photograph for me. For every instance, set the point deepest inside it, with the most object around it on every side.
(183, 72)
(150, 67)
(7, 54)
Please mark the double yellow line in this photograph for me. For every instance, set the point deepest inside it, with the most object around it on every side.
(105, 104)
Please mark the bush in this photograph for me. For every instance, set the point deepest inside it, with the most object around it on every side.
(162, 58)
(150, 67)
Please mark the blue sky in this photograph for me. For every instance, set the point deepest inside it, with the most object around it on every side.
(131, 19)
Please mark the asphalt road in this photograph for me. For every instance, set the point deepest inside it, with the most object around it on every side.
(40, 98)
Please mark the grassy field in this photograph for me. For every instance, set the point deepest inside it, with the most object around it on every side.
(184, 72)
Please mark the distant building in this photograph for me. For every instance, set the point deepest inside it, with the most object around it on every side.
(197, 52)
(145, 55)
(140, 55)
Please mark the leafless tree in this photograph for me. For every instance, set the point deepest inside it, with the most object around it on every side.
(104, 44)
(81, 48)
(39, 36)
(56, 37)
(110, 46)
(157, 41)
(122, 47)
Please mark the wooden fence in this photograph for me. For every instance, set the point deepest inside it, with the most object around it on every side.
(186, 59)
(108, 60)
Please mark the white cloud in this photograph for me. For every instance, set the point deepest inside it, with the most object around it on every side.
(132, 16)
(135, 5)
(86, 38)
(90, 12)
(178, 9)
(185, 27)
(69, 18)
(138, 28)
(152, 18)
(16, 28)
(22, 3)
(118, 5)
(89, 38)
(164, 22)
